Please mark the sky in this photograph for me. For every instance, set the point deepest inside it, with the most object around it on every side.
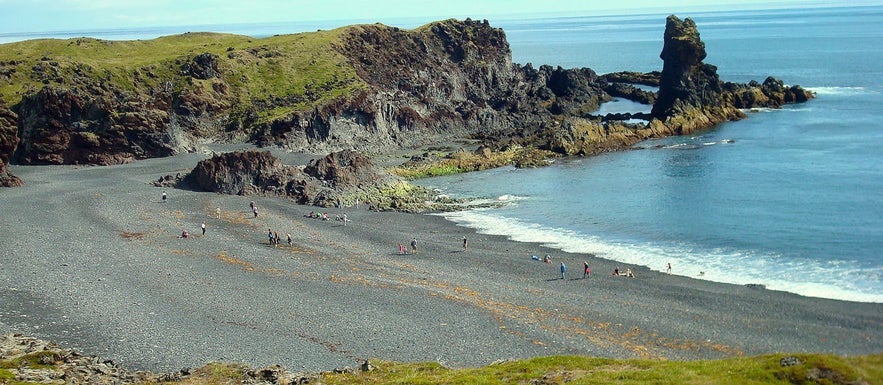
(29, 16)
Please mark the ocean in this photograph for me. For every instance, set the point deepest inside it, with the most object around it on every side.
(791, 199)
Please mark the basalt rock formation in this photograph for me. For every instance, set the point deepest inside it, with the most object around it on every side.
(691, 95)
(370, 88)
(8, 142)
(341, 178)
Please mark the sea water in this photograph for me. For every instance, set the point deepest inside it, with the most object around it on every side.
(791, 199)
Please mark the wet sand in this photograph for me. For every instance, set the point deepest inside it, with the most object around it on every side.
(92, 259)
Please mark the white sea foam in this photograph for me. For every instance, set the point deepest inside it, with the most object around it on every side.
(847, 91)
(837, 280)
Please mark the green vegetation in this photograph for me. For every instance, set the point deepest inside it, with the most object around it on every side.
(815, 369)
(287, 73)
(37, 360)
(765, 369)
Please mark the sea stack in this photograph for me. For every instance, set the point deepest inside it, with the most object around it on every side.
(691, 95)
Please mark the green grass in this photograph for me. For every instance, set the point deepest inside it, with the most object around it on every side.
(586, 370)
(577, 370)
(31, 360)
(302, 69)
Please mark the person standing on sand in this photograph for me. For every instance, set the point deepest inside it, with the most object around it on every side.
(218, 212)
(401, 249)
(668, 268)
(465, 244)
(586, 269)
(289, 239)
(414, 245)
(563, 270)
(270, 235)
(255, 211)
(164, 197)
(203, 229)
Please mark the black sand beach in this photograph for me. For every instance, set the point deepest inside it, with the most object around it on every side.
(91, 258)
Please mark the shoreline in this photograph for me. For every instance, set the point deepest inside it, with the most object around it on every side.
(563, 241)
(93, 261)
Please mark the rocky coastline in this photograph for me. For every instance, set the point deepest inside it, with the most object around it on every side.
(390, 89)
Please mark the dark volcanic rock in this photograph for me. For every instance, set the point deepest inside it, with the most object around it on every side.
(92, 126)
(448, 79)
(8, 142)
(347, 169)
(691, 95)
(240, 173)
(339, 178)
(203, 66)
(685, 79)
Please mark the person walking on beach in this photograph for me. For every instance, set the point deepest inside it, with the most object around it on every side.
(218, 212)
(401, 249)
(203, 229)
(276, 239)
(586, 269)
(563, 270)
(289, 239)
(255, 211)
(270, 235)
(465, 244)
(668, 268)
(164, 196)
(414, 245)
(345, 220)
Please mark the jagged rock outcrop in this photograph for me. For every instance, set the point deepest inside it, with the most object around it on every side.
(347, 170)
(241, 173)
(8, 142)
(447, 79)
(692, 97)
(61, 125)
(339, 178)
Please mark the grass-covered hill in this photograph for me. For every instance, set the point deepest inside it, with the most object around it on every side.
(253, 70)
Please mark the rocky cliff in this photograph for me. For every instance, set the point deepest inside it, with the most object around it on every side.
(8, 142)
(370, 88)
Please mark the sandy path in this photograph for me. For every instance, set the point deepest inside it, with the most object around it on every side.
(91, 258)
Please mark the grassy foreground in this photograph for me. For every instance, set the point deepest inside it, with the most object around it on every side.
(814, 369)
(766, 369)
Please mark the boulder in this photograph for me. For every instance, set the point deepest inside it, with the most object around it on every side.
(240, 173)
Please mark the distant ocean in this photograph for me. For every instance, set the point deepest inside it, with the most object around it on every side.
(791, 199)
